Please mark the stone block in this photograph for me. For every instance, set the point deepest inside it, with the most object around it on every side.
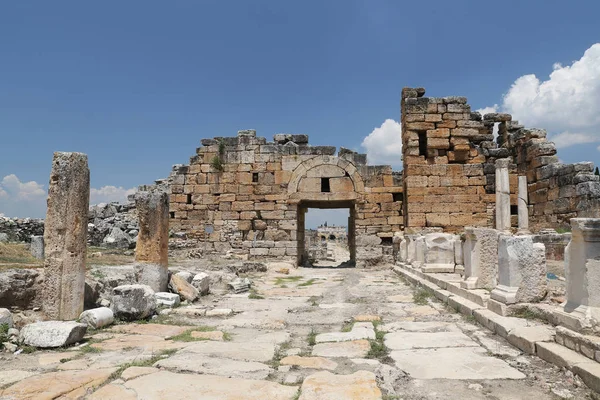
(52, 334)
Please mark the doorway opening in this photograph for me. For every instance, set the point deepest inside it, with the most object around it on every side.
(326, 234)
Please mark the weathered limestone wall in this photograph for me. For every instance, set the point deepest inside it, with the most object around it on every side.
(244, 193)
(557, 192)
(449, 168)
(65, 236)
(444, 174)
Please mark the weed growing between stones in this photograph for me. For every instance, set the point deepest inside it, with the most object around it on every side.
(254, 295)
(287, 279)
(3, 335)
(421, 296)
(279, 354)
(187, 335)
(141, 363)
(348, 326)
(312, 337)
(526, 313)
(216, 163)
(308, 282)
(378, 349)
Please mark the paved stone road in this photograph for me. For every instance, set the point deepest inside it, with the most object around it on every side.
(315, 334)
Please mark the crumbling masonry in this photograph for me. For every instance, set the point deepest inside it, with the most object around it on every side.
(248, 195)
(449, 168)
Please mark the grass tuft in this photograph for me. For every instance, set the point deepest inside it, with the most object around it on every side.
(308, 282)
(254, 295)
(421, 296)
(312, 337)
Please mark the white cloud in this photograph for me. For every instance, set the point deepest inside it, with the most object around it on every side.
(488, 110)
(11, 185)
(384, 144)
(28, 199)
(22, 199)
(567, 104)
(107, 194)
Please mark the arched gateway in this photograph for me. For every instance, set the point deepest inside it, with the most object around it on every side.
(252, 196)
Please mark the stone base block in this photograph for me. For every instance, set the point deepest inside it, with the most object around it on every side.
(576, 318)
(470, 283)
(438, 268)
(154, 275)
(505, 294)
(497, 307)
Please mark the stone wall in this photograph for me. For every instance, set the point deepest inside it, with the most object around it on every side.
(110, 225)
(20, 229)
(443, 154)
(245, 194)
(449, 168)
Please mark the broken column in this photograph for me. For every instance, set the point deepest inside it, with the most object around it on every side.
(65, 235)
(502, 195)
(582, 270)
(151, 253)
(481, 258)
(521, 270)
(522, 205)
(439, 252)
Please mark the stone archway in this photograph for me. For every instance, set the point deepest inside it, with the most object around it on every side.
(325, 182)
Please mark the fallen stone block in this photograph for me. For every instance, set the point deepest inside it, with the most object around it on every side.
(52, 333)
(6, 317)
(133, 302)
(240, 285)
(182, 287)
(201, 282)
(167, 299)
(97, 317)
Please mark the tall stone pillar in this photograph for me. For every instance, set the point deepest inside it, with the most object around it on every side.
(522, 205)
(65, 236)
(521, 270)
(502, 195)
(582, 269)
(151, 253)
(481, 258)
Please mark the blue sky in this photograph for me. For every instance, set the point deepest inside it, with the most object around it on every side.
(137, 84)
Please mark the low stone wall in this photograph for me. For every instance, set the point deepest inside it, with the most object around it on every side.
(20, 229)
(110, 225)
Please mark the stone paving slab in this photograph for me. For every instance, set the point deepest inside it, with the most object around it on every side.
(309, 362)
(324, 385)
(56, 384)
(453, 363)
(168, 385)
(353, 349)
(164, 331)
(427, 340)
(356, 333)
(189, 362)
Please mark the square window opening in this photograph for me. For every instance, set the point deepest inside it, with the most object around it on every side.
(172, 214)
(189, 199)
(325, 188)
(514, 210)
(397, 196)
(254, 177)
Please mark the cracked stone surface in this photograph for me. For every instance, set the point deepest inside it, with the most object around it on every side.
(279, 347)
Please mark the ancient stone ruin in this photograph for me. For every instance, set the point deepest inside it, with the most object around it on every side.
(470, 221)
(250, 195)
